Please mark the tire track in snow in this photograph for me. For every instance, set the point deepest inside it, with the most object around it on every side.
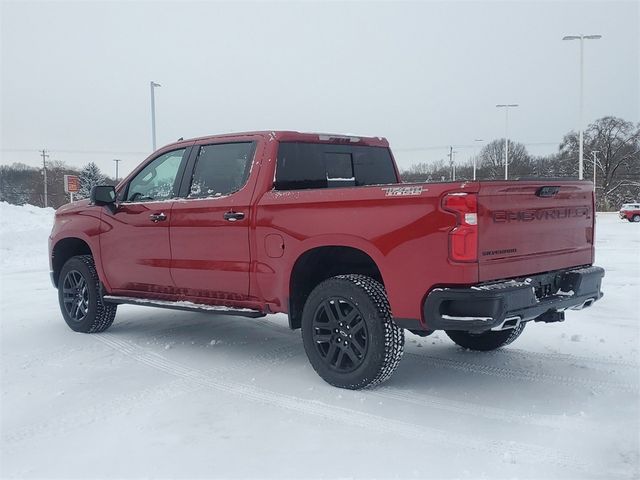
(510, 352)
(519, 374)
(566, 357)
(513, 450)
(125, 403)
(491, 413)
(117, 405)
(469, 408)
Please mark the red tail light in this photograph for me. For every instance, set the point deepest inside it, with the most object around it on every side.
(463, 238)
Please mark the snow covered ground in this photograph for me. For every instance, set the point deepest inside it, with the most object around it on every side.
(178, 394)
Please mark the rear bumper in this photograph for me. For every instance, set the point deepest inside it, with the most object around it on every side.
(502, 305)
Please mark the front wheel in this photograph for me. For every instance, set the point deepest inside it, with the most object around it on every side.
(80, 298)
(348, 333)
(635, 218)
(485, 341)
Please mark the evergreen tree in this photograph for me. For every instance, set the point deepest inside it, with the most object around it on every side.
(89, 177)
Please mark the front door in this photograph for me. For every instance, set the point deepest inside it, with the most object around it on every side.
(134, 240)
(209, 230)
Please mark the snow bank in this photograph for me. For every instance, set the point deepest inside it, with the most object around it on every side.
(23, 233)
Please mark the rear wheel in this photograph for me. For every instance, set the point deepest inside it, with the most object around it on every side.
(348, 333)
(80, 297)
(485, 341)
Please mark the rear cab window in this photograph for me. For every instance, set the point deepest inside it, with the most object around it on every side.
(324, 165)
(221, 169)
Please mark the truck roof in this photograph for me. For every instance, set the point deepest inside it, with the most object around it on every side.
(293, 136)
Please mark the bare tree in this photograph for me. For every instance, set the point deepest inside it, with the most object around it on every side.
(617, 142)
(491, 160)
(426, 172)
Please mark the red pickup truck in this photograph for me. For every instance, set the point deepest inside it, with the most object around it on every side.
(320, 227)
(630, 212)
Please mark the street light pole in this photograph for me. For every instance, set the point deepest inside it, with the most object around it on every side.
(44, 156)
(452, 156)
(454, 165)
(117, 161)
(153, 113)
(595, 162)
(506, 107)
(475, 158)
(581, 134)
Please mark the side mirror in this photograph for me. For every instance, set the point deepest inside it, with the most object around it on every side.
(103, 195)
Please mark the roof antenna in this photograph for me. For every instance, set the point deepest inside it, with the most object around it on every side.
(180, 139)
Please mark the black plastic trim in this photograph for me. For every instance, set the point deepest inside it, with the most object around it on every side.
(482, 307)
(409, 323)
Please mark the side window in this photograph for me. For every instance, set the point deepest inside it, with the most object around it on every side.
(299, 167)
(157, 180)
(323, 165)
(221, 169)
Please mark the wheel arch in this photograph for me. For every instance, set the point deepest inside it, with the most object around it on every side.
(63, 250)
(319, 263)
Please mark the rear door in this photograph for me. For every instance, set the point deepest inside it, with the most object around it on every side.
(209, 230)
(529, 227)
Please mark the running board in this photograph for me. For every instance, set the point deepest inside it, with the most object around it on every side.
(182, 305)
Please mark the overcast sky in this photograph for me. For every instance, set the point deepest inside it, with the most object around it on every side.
(75, 76)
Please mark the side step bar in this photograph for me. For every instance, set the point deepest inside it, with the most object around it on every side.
(182, 305)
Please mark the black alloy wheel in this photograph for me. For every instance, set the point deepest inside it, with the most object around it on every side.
(75, 294)
(80, 297)
(349, 334)
(340, 334)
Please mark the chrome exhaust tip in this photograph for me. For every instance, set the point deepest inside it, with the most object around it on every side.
(507, 324)
(587, 303)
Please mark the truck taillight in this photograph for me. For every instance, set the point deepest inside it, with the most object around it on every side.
(463, 238)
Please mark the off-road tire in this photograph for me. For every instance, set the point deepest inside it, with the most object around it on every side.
(99, 314)
(485, 341)
(384, 340)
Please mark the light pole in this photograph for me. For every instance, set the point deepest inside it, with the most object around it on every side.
(452, 157)
(44, 155)
(153, 85)
(595, 162)
(475, 158)
(581, 148)
(117, 161)
(506, 107)
(454, 165)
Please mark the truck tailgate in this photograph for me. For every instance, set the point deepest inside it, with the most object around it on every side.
(529, 227)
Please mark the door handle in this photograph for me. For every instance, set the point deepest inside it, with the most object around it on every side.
(157, 217)
(233, 216)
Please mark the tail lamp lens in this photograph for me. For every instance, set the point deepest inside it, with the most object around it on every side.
(463, 238)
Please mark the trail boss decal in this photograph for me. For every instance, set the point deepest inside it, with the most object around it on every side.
(402, 191)
(506, 216)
